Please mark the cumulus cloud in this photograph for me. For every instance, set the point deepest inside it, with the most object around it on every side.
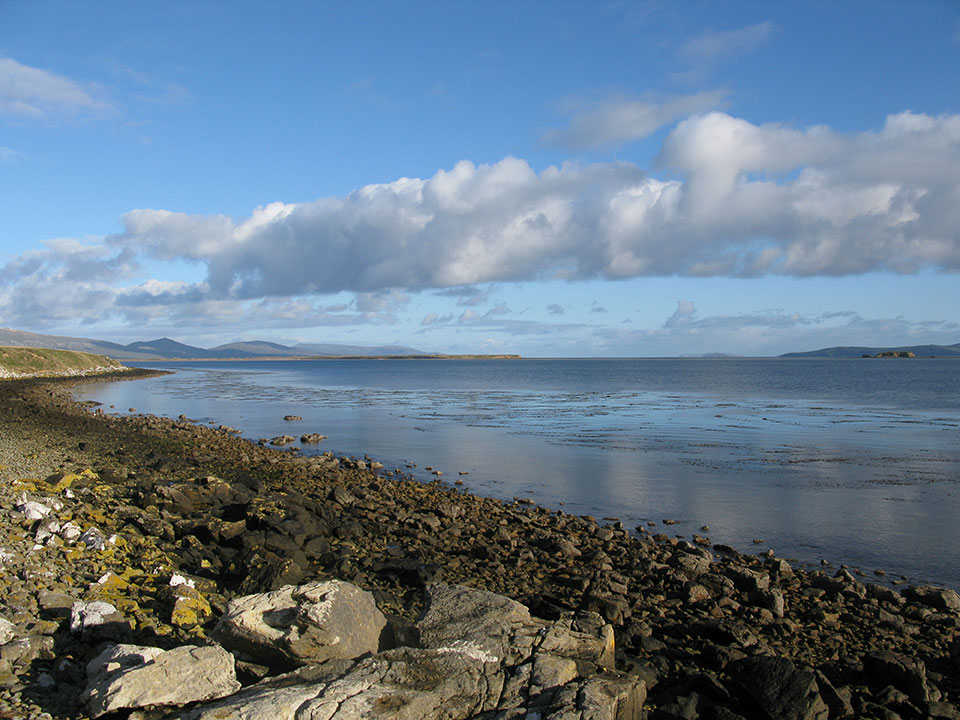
(750, 200)
(615, 120)
(742, 200)
(28, 93)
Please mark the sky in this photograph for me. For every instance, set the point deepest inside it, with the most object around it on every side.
(548, 178)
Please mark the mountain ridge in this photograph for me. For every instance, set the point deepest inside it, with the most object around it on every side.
(167, 349)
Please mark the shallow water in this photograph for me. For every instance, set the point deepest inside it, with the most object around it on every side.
(856, 461)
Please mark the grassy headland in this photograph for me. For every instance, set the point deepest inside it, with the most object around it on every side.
(22, 362)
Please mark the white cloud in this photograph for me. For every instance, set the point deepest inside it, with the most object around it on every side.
(618, 119)
(29, 93)
(746, 200)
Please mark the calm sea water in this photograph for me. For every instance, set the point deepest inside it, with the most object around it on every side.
(853, 461)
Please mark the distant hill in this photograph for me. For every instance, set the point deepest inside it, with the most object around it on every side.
(167, 349)
(330, 349)
(857, 351)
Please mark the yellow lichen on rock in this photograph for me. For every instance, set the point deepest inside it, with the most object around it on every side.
(190, 608)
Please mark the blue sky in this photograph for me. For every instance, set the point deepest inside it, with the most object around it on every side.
(548, 178)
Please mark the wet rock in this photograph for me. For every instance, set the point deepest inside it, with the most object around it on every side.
(282, 440)
(125, 676)
(296, 625)
(312, 438)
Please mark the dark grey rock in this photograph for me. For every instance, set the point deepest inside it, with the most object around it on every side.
(780, 689)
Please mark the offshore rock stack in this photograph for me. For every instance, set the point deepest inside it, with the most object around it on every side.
(160, 568)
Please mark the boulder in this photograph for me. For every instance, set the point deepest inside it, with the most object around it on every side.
(586, 640)
(607, 697)
(130, 676)
(905, 673)
(296, 625)
(937, 597)
(780, 689)
(461, 617)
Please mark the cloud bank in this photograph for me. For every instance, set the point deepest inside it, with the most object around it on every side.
(734, 199)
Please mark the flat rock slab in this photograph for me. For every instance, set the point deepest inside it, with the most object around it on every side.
(296, 625)
(131, 676)
(401, 684)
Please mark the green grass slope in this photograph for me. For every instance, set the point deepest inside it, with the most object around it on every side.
(18, 362)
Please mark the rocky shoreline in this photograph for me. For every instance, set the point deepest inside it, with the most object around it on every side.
(127, 544)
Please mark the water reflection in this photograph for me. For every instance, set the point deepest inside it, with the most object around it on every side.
(873, 487)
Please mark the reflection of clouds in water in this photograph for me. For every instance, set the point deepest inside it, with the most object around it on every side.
(629, 421)
(852, 484)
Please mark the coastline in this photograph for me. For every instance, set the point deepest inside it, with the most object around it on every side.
(678, 610)
(274, 358)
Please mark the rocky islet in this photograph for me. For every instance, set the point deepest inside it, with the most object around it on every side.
(124, 539)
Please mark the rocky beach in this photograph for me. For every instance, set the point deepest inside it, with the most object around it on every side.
(157, 568)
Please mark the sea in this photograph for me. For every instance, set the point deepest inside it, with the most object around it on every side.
(826, 461)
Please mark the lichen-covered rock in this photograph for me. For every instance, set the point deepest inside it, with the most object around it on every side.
(190, 608)
(299, 624)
